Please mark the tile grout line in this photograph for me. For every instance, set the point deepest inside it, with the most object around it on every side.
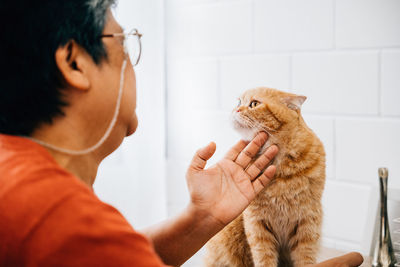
(334, 24)
(351, 116)
(166, 117)
(211, 3)
(334, 137)
(253, 27)
(219, 85)
(289, 51)
(165, 73)
(379, 83)
(348, 182)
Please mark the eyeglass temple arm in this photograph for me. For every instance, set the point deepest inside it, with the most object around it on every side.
(122, 34)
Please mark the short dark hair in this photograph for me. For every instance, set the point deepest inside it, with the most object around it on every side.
(31, 87)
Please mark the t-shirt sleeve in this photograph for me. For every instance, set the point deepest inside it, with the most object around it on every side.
(80, 230)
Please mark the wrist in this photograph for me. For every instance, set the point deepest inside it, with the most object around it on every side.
(204, 219)
(178, 238)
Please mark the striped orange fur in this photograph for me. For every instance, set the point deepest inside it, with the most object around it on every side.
(282, 226)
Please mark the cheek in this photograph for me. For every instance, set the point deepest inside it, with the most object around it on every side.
(130, 89)
(128, 106)
(267, 119)
(105, 84)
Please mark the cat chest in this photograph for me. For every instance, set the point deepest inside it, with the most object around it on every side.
(282, 210)
(279, 209)
(286, 197)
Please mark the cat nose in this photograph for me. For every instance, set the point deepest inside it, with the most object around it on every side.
(239, 109)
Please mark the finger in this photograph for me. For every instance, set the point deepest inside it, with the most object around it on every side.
(247, 154)
(236, 149)
(352, 259)
(199, 160)
(261, 182)
(256, 168)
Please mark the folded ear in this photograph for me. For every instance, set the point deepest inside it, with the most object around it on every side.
(294, 102)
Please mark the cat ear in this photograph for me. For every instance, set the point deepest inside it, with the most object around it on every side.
(294, 102)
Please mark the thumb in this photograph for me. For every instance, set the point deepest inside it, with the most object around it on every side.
(199, 160)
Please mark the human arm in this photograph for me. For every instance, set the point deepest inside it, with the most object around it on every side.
(352, 259)
(218, 195)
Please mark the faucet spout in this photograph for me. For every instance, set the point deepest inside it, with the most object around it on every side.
(383, 254)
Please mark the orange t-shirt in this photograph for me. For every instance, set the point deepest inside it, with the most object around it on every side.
(48, 217)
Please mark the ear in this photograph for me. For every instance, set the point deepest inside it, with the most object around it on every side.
(294, 102)
(73, 62)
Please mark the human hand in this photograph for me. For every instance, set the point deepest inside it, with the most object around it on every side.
(224, 190)
(352, 259)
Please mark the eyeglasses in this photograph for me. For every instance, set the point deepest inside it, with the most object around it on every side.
(132, 44)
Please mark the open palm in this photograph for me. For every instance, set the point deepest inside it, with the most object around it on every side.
(227, 188)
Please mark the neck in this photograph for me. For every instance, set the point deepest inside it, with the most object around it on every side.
(292, 139)
(71, 132)
(84, 167)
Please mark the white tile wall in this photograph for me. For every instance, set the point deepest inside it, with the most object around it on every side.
(345, 216)
(344, 55)
(128, 179)
(338, 82)
(245, 72)
(390, 82)
(176, 182)
(216, 28)
(197, 129)
(364, 145)
(367, 23)
(293, 25)
(177, 41)
(196, 81)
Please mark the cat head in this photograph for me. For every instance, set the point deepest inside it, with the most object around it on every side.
(265, 109)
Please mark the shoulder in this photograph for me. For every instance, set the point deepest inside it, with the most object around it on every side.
(55, 219)
(84, 231)
(48, 217)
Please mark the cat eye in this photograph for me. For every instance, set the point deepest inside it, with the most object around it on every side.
(254, 103)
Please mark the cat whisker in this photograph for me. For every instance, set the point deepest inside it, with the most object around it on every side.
(251, 123)
(255, 124)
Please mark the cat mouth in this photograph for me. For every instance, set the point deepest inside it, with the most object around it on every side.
(239, 123)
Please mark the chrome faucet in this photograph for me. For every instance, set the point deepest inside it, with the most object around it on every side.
(383, 253)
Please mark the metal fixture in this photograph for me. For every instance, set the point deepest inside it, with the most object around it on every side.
(383, 255)
(397, 243)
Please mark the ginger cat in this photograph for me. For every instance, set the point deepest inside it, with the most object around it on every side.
(281, 227)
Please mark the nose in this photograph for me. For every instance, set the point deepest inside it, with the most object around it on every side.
(239, 109)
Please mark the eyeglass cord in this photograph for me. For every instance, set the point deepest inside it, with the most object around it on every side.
(106, 134)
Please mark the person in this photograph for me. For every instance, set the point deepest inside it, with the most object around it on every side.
(67, 100)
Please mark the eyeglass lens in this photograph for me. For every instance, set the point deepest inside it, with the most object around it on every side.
(133, 47)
